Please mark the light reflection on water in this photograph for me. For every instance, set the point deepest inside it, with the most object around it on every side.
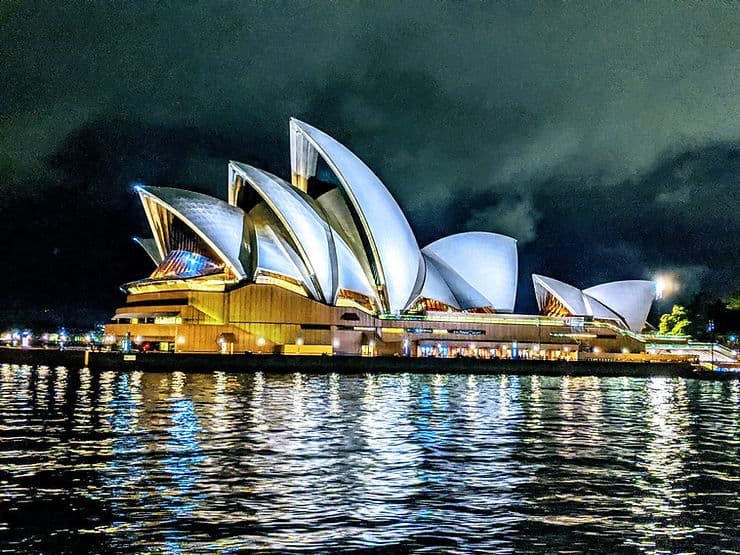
(131, 462)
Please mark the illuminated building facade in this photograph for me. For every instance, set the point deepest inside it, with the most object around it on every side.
(331, 266)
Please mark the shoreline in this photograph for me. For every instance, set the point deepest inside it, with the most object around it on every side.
(282, 364)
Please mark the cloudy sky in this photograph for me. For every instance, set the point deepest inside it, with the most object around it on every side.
(605, 137)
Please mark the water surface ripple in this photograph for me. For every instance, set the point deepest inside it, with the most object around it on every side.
(138, 462)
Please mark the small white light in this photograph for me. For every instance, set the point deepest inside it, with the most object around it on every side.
(299, 341)
(261, 342)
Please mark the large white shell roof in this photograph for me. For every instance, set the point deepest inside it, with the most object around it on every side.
(309, 233)
(393, 247)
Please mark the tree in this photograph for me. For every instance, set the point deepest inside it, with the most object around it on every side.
(674, 323)
(734, 302)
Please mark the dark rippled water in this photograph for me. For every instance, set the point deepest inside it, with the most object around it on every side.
(137, 462)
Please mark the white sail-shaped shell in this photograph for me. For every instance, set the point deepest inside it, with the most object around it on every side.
(218, 224)
(391, 245)
(630, 299)
(570, 297)
(626, 302)
(309, 233)
(480, 268)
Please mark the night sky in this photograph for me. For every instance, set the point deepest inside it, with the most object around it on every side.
(604, 137)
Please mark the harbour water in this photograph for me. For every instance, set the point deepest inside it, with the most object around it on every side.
(128, 462)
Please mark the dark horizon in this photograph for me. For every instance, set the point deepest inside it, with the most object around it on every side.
(604, 140)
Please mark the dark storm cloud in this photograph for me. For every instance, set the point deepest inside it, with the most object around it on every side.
(560, 124)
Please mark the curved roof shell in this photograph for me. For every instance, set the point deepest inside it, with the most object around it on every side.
(571, 297)
(392, 247)
(351, 275)
(217, 223)
(630, 299)
(275, 252)
(310, 234)
(339, 217)
(149, 244)
(436, 287)
(480, 268)
(627, 302)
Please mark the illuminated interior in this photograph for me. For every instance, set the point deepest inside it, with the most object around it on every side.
(553, 307)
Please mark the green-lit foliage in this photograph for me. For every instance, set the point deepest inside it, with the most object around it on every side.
(734, 302)
(674, 323)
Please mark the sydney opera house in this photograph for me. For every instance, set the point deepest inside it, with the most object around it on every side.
(331, 266)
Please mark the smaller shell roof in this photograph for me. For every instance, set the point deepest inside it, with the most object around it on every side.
(308, 231)
(631, 299)
(627, 301)
(218, 223)
(275, 252)
(486, 266)
(570, 296)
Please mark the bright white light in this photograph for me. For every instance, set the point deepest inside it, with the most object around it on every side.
(335, 343)
(261, 342)
(665, 285)
(181, 340)
(138, 339)
(625, 351)
(299, 341)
